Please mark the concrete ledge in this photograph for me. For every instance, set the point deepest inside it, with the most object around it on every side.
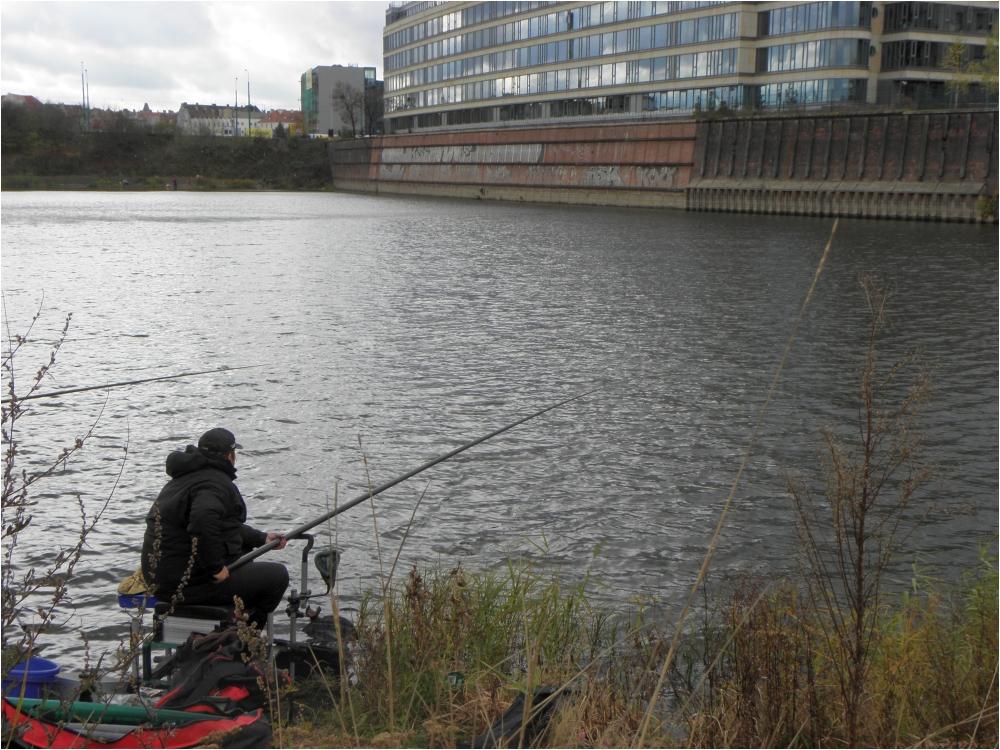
(921, 202)
(572, 196)
(846, 186)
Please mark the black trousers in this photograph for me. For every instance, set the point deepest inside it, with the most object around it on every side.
(261, 586)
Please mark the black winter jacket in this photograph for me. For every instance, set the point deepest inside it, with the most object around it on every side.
(200, 502)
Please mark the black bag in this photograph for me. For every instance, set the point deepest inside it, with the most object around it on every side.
(213, 674)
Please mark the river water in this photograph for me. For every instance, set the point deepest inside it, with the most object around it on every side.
(383, 331)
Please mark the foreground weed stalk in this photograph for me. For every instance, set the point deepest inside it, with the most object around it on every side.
(828, 658)
(33, 599)
(640, 739)
(849, 537)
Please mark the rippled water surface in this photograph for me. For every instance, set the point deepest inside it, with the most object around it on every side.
(395, 329)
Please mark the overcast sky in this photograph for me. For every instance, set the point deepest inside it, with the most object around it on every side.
(165, 53)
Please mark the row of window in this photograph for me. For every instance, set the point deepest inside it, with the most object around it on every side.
(661, 36)
(480, 13)
(917, 53)
(398, 9)
(667, 68)
(824, 53)
(768, 96)
(492, 36)
(799, 19)
(938, 17)
(731, 97)
(576, 18)
(820, 91)
(598, 14)
(799, 56)
(795, 19)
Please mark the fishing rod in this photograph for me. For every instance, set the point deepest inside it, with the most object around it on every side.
(82, 389)
(392, 483)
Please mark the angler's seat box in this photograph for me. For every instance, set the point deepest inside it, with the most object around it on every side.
(172, 626)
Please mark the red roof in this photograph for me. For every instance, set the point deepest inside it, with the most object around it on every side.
(282, 116)
(24, 100)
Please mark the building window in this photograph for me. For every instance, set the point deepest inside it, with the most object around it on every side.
(825, 53)
(948, 17)
(811, 92)
(806, 17)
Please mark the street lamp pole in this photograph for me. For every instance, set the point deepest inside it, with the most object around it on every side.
(248, 99)
(236, 105)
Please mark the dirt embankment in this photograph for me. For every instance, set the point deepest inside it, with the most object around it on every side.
(102, 161)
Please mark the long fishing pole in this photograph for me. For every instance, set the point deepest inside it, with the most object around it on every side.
(392, 483)
(82, 389)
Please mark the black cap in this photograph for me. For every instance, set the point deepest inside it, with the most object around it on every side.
(218, 440)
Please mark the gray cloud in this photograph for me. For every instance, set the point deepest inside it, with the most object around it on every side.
(164, 53)
(124, 26)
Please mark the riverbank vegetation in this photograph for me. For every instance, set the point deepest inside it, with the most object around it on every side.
(832, 656)
(46, 150)
(442, 657)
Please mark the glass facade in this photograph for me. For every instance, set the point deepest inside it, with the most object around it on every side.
(944, 17)
(919, 53)
(447, 22)
(509, 61)
(666, 68)
(660, 36)
(818, 91)
(822, 53)
(556, 22)
(803, 18)
(718, 97)
(310, 103)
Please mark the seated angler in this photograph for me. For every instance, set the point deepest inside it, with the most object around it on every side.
(197, 527)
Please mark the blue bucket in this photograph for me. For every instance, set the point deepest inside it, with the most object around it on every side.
(34, 673)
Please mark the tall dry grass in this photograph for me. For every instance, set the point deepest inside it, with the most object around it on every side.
(756, 672)
(931, 679)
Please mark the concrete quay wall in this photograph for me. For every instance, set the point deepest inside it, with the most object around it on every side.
(938, 166)
(925, 166)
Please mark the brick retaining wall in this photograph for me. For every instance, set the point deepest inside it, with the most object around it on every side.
(931, 166)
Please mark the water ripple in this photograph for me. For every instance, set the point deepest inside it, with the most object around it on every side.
(388, 331)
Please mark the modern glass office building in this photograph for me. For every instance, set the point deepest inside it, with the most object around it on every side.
(451, 64)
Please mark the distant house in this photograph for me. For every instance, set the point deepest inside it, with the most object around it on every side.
(77, 112)
(151, 119)
(22, 100)
(212, 119)
(290, 121)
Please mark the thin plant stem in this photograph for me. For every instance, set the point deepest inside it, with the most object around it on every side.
(384, 584)
(986, 703)
(640, 739)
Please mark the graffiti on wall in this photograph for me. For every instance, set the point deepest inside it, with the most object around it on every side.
(505, 153)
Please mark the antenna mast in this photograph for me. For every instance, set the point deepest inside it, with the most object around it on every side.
(83, 98)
